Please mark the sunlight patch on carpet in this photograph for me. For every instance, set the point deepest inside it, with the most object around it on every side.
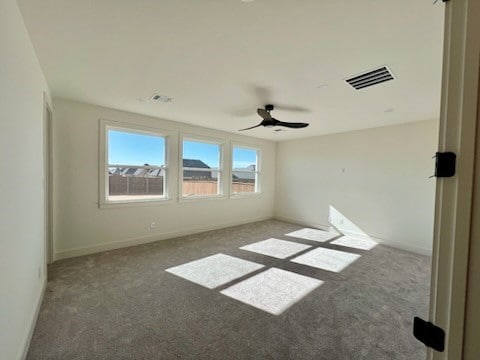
(313, 234)
(276, 248)
(273, 290)
(355, 243)
(215, 270)
(327, 259)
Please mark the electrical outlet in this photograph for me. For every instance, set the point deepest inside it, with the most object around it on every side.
(153, 225)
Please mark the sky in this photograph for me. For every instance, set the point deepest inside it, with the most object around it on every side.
(135, 149)
(243, 157)
(138, 149)
(208, 153)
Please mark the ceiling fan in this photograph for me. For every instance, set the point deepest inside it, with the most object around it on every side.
(269, 121)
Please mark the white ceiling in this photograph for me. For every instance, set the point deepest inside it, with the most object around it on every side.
(221, 59)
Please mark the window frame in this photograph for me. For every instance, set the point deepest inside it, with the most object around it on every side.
(105, 126)
(221, 167)
(258, 171)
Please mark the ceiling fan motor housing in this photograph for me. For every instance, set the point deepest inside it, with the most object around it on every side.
(269, 107)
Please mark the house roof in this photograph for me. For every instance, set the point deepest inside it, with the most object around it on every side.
(140, 171)
(134, 171)
(194, 163)
(244, 173)
(131, 171)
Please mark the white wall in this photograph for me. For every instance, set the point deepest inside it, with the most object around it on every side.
(81, 227)
(375, 180)
(22, 254)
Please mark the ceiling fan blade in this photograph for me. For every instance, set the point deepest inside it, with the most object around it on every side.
(251, 127)
(264, 114)
(292, 108)
(293, 125)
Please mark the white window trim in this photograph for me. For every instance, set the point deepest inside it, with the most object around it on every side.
(221, 167)
(106, 125)
(258, 172)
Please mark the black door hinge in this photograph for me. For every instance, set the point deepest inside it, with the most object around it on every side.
(432, 336)
(445, 164)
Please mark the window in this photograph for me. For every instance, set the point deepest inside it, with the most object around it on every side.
(135, 165)
(201, 168)
(245, 170)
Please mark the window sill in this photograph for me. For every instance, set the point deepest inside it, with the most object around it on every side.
(245, 195)
(132, 203)
(186, 199)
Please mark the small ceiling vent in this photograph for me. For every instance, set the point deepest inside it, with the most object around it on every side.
(370, 78)
(162, 98)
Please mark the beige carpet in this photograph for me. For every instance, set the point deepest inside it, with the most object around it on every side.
(285, 298)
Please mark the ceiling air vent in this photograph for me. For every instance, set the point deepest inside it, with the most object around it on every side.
(162, 98)
(370, 78)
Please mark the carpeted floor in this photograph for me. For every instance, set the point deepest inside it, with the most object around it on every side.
(123, 304)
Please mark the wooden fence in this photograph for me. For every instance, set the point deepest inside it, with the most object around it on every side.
(208, 187)
(130, 185)
(238, 187)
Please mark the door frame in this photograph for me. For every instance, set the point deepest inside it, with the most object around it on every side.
(471, 345)
(47, 180)
(453, 206)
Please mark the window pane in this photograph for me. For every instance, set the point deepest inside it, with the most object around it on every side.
(202, 160)
(244, 159)
(200, 154)
(244, 175)
(199, 183)
(133, 161)
(243, 182)
(126, 148)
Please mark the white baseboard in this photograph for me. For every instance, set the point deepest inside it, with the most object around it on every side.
(64, 254)
(28, 336)
(303, 223)
(406, 247)
(394, 244)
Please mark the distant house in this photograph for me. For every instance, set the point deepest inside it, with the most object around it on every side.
(196, 174)
(244, 174)
(135, 171)
(140, 171)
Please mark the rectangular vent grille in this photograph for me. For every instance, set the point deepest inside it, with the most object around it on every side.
(371, 78)
(162, 98)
